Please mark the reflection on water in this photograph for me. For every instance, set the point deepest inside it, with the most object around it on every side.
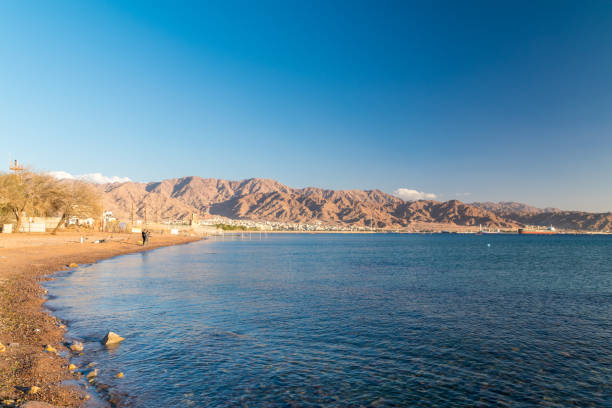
(349, 320)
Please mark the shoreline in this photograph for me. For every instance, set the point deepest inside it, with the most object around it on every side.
(382, 232)
(27, 371)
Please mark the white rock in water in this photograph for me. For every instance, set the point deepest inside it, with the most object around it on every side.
(112, 338)
(76, 346)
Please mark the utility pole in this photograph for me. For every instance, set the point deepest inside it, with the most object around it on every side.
(15, 167)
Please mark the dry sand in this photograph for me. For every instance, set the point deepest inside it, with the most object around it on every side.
(26, 328)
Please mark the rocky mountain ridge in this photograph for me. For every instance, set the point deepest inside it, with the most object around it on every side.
(268, 200)
(528, 215)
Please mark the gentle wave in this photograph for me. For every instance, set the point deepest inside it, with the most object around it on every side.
(350, 320)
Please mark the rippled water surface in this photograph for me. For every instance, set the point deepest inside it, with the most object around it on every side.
(349, 320)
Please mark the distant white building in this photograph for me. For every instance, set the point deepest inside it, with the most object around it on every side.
(108, 216)
(74, 220)
(86, 221)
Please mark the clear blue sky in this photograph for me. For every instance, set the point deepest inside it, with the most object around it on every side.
(470, 100)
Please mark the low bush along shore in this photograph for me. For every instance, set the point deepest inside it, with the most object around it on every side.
(27, 371)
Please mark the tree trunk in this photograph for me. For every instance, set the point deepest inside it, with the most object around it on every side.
(19, 219)
(59, 223)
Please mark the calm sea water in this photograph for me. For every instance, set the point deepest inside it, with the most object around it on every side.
(350, 320)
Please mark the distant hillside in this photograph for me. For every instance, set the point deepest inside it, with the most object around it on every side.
(526, 214)
(570, 220)
(505, 208)
(264, 199)
(269, 200)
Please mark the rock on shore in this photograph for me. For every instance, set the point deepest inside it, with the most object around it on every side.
(76, 346)
(112, 338)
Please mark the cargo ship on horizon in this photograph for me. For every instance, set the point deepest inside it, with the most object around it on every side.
(526, 231)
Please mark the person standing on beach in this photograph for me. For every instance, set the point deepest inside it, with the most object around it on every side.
(145, 237)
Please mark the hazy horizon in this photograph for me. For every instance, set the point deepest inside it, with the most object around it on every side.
(471, 101)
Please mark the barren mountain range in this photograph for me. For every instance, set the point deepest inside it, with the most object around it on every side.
(507, 208)
(269, 200)
(528, 215)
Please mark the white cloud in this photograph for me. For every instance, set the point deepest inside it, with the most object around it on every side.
(412, 195)
(98, 178)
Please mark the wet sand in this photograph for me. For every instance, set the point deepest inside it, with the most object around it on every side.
(26, 328)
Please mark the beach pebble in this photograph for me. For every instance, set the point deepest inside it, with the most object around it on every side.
(112, 338)
(50, 348)
(33, 389)
(119, 375)
(92, 374)
(72, 367)
(76, 346)
(13, 345)
(73, 265)
(2, 348)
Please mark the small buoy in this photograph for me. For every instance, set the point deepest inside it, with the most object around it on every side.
(119, 375)
(489, 245)
(73, 265)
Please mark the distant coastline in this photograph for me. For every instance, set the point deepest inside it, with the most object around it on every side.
(454, 232)
(268, 204)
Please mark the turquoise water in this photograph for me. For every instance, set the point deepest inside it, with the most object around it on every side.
(350, 320)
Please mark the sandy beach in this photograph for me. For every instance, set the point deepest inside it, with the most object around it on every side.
(27, 371)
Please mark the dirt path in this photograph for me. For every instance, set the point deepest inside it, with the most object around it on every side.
(26, 328)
